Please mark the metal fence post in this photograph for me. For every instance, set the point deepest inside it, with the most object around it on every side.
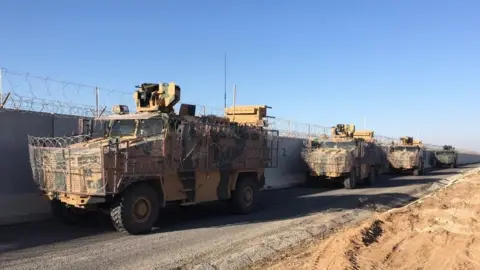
(97, 112)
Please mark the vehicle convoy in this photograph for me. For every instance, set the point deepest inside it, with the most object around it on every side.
(407, 155)
(445, 157)
(153, 157)
(347, 156)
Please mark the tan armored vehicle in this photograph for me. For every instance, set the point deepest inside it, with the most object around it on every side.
(407, 155)
(348, 156)
(155, 156)
(445, 157)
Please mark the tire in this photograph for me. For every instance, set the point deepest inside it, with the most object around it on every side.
(350, 182)
(372, 176)
(416, 172)
(245, 196)
(62, 212)
(129, 219)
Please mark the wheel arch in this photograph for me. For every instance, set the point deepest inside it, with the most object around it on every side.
(258, 176)
(155, 182)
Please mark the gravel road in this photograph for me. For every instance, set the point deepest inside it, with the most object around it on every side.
(195, 234)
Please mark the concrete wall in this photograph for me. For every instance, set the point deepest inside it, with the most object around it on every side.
(291, 167)
(19, 197)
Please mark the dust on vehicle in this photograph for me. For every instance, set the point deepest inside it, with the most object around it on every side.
(407, 155)
(153, 157)
(347, 155)
(445, 157)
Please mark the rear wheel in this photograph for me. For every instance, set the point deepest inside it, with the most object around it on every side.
(136, 210)
(245, 196)
(422, 169)
(350, 181)
(371, 176)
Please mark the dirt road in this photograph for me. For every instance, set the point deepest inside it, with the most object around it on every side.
(205, 233)
(439, 232)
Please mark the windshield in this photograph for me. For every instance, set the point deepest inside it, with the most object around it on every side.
(403, 148)
(122, 128)
(127, 127)
(330, 144)
(444, 153)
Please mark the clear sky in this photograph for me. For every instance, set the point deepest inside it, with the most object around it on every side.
(409, 67)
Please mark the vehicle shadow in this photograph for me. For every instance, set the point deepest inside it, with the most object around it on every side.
(274, 205)
(32, 234)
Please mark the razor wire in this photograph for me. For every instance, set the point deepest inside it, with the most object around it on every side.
(29, 93)
(24, 92)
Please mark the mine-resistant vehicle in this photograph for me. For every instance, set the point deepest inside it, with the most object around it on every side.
(347, 156)
(407, 155)
(445, 157)
(153, 157)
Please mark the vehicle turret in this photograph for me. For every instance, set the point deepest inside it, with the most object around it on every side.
(157, 97)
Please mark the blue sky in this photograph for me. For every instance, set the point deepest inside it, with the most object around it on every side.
(410, 67)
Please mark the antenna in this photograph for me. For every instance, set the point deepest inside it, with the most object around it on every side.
(225, 83)
(234, 99)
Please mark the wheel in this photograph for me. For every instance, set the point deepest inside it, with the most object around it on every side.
(371, 176)
(244, 197)
(66, 214)
(416, 172)
(136, 210)
(350, 182)
(422, 169)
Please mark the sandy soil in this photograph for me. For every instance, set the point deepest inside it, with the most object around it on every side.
(438, 232)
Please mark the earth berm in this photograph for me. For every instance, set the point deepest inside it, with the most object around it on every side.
(439, 231)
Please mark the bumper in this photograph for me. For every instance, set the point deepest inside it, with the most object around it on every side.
(76, 200)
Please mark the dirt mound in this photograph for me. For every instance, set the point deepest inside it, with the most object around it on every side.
(438, 232)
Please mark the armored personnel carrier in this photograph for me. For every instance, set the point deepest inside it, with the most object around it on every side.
(407, 155)
(153, 157)
(347, 156)
(446, 157)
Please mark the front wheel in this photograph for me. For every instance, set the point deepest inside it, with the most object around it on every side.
(245, 196)
(136, 210)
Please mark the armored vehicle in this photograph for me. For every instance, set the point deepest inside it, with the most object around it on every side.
(347, 156)
(153, 157)
(445, 157)
(407, 155)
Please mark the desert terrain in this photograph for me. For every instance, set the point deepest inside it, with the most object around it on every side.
(440, 231)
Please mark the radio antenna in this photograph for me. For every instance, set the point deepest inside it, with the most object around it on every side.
(225, 83)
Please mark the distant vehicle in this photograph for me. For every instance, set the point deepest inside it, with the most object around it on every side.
(408, 155)
(347, 156)
(153, 157)
(446, 157)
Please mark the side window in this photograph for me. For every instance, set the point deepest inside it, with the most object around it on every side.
(150, 127)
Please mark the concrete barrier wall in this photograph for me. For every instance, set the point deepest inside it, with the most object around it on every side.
(19, 197)
(467, 158)
(291, 168)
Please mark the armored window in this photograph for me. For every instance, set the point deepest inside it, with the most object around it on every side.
(150, 127)
(122, 128)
